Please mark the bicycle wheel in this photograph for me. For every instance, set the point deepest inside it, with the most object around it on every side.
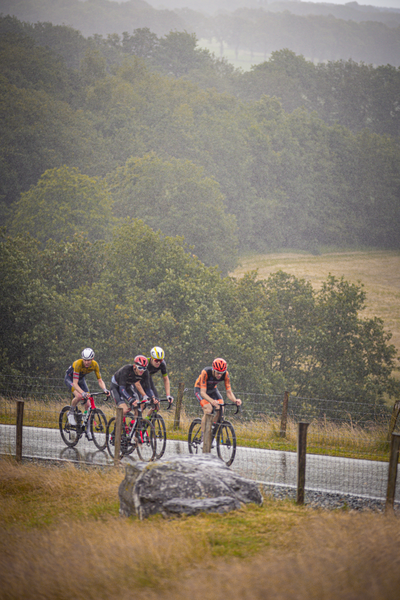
(98, 428)
(111, 437)
(161, 434)
(226, 443)
(69, 433)
(128, 443)
(127, 447)
(194, 436)
(146, 440)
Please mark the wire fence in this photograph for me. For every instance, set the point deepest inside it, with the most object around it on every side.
(347, 443)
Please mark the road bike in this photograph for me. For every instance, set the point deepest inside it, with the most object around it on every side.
(137, 433)
(160, 430)
(93, 424)
(222, 433)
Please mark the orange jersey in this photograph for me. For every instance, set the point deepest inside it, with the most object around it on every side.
(207, 382)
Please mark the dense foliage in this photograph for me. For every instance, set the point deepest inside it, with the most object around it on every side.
(188, 159)
(142, 288)
(109, 158)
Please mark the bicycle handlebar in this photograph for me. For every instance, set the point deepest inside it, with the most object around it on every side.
(165, 400)
(228, 404)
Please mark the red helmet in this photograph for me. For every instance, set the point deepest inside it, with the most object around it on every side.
(219, 365)
(140, 361)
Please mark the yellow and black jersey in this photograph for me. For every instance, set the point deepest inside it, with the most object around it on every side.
(78, 370)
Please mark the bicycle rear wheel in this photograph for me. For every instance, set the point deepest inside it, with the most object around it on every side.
(69, 433)
(194, 436)
(146, 440)
(226, 443)
(98, 428)
(126, 446)
(161, 434)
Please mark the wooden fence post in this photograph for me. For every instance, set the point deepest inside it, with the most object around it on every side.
(284, 414)
(393, 419)
(181, 389)
(392, 475)
(20, 423)
(207, 434)
(301, 461)
(118, 430)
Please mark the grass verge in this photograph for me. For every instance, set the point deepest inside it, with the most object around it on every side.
(62, 538)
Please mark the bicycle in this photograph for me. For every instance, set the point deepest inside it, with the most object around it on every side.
(160, 430)
(222, 432)
(93, 422)
(137, 433)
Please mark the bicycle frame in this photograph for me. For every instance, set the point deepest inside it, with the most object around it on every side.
(93, 423)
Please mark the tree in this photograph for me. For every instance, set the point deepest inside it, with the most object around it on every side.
(62, 203)
(175, 197)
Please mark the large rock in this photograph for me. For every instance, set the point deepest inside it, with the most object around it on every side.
(184, 485)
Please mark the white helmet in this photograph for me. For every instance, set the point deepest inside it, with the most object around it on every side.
(157, 353)
(87, 354)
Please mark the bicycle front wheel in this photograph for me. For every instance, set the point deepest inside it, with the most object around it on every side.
(69, 433)
(128, 443)
(161, 434)
(146, 440)
(98, 428)
(194, 436)
(226, 443)
(111, 437)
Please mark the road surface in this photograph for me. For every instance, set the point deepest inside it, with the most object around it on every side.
(323, 473)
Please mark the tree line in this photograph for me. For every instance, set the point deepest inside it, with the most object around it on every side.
(226, 174)
(142, 288)
(318, 31)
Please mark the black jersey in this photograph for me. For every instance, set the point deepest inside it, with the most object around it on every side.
(161, 367)
(126, 376)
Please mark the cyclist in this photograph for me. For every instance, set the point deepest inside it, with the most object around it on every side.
(129, 383)
(207, 393)
(76, 383)
(157, 364)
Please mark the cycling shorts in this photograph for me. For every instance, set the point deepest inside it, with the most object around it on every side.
(70, 384)
(114, 389)
(215, 395)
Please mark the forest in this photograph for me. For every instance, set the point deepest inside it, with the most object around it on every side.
(135, 171)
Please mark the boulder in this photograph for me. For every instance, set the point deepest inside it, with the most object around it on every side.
(184, 485)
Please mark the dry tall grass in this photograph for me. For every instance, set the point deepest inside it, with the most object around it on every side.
(287, 552)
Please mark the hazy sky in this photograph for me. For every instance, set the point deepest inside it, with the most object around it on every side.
(380, 3)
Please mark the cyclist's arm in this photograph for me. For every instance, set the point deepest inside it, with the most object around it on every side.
(102, 385)
(204, 395)
(140, 389)
(231, 396)
(167, 385)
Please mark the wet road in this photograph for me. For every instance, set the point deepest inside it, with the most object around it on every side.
(323, 473)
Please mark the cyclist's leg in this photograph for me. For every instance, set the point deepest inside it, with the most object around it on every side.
(119, 401)
(75, 397)
(207, 407)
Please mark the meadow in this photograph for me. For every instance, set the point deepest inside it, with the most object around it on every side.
(62, 538)
(378, 271)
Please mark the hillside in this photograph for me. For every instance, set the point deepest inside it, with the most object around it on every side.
(379, 271)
